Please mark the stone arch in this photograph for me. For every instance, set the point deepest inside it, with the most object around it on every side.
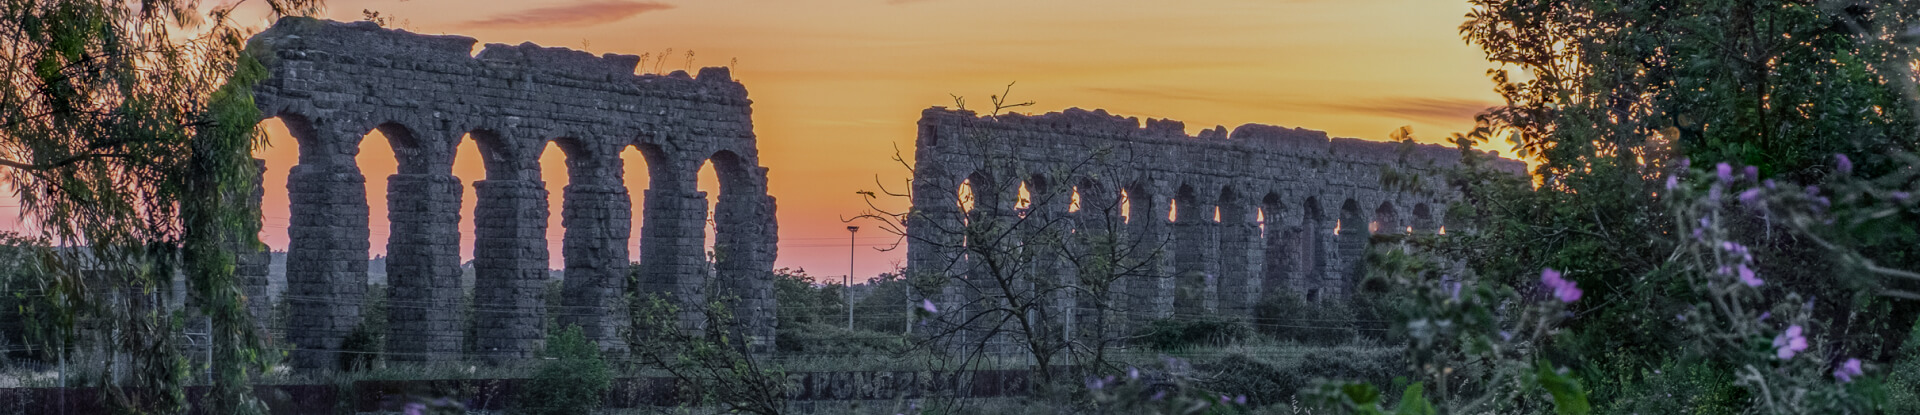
(596, 217)
(510, 258)
(327, 232)
(1386, 220)
(1242, 256)
(1195, 251)
(744, 246)
(423, 247)
(1423, 221)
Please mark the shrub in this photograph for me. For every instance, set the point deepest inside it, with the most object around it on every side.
(572, 380)
(1180, 334)
(1266, 383)
(1286, 316)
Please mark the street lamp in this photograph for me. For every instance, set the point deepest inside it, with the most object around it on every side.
(851, 230)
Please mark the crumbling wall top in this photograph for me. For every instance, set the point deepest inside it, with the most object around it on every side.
(1269, 138)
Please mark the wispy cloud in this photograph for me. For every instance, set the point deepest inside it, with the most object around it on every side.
(583, 14)
(1418, 108)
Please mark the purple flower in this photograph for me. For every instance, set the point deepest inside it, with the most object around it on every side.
(1751, 198)
(1753, 172)
(1713, 194)
(1685, 163)
(1765, 314)
(1813, 191)
(926, 304)
(1840, 161)
(1848, 370)
(1241, 399)
(1747, 277)
(1158, 395)
(1505, 336)
(1673, 182)
(1769, 184)
(1225, 399)
(1681, 317)
(1724, 172)
(1790, 343)
(1901, 196)
(1133, 373)
(415, 408)
(1564, 290)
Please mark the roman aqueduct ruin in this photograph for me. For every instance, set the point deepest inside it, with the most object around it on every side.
(1254, 211)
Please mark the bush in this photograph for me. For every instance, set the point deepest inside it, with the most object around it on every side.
(1903, 377)
(831, 339)
(1178, 334)
(1286, 316)
(572, 380)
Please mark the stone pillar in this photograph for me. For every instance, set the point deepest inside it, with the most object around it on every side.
(934, 259)
(1242, 260)
(1096, 233)
(1281, 252)
(598, 216)
(1196, 251)
(1352, 246)
(991, 233)
(1044, 234)
(326, 260)
(1150, 294)
(744, 247)
(673, 261)
(510, 268)
(423, 267)
(252, 259)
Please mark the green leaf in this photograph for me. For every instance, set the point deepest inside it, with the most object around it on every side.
(1412, 402)
(1568, 398)
(1361, 394)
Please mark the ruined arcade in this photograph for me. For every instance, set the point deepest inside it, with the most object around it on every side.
(332, 83)
(1217, 221)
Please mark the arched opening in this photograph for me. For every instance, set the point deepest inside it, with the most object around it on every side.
(637, 163)
(279, 153)
(557, 167)
(469, 166)
(1386, 220)
(1023, 201)
(708, 181)
(1423, 222)
(1073, 200)
(964, 197)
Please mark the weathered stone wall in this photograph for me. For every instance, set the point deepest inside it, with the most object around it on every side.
(1207, 224)
(333, 83)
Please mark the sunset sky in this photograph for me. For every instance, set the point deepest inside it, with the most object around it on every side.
(838, 84)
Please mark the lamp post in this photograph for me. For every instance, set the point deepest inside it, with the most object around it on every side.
(851, 230)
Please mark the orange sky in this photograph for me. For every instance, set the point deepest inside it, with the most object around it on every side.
(836, 84)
